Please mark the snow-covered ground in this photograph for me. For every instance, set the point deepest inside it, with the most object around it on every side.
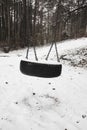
(32, 103)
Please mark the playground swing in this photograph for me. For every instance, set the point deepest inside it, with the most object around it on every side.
(39, 69)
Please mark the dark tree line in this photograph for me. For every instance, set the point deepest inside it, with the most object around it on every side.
(29, 22)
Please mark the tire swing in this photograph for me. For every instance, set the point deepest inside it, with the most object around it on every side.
(45, 70)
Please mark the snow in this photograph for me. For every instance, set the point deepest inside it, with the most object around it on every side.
(32, 103)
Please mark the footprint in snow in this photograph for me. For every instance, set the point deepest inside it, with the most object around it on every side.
(49, 83)
(6, 82)
(53, 89)
(77, 122)
(84, 116)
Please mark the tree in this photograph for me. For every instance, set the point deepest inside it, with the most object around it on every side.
(37, 22)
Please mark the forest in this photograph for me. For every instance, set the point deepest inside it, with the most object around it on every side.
(37, 22)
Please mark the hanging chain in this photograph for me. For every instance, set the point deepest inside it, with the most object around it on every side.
(54, 40)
